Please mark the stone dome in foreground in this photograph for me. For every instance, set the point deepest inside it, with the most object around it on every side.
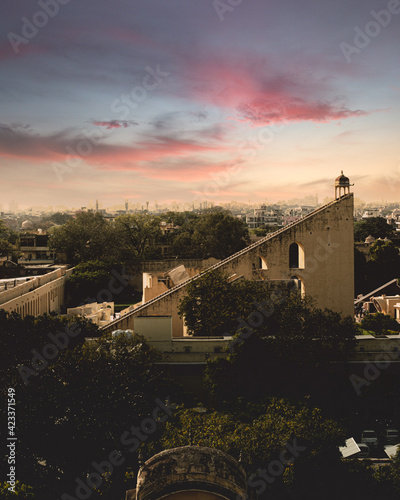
(191, 472)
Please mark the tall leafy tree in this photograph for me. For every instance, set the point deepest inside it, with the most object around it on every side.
(20, 336)
(139, 236)
(98, 281)
(213, 306)
(8, 240)
(218, 234)
(258, 434)
(374, 226)
(360, 276)
(75, 411)
(380, 323)
(89, 236)
(283, 344)
(384, 264)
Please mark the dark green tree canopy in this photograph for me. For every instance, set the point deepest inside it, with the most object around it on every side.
(380, 323)
(218, 234)
(374, 226)
(89, 236)
(384, 264)
(76, 409)
(213, 306)
(138, 236)
(19, 336)
(258, 435)
(283, 345)
(385, 252)
(98, 281)
(8, 239)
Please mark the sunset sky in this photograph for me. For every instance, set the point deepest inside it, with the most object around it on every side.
(188, 100)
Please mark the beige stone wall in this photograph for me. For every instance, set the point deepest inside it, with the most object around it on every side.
(43, 298)
(378, 350)
(326, 237)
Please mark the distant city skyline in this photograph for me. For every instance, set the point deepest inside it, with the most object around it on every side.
(212, 101)
(176, 205)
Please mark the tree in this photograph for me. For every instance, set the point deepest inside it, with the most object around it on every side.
(20, 336)
(262, 434)
(218, 234)
(97, 281)
(374, 226)
(59, 218)
(385, 252)
(214, 307)
(75, 412)
(384, 264)
(20, 491)
(87, 237)
(263, 231)
(5, 248)
(181, 219)
(139, 236)
(182, 244)
(283, 345)
(8, 239)
(199, 307)
(395, 471)
(380, 323)
(360, 284)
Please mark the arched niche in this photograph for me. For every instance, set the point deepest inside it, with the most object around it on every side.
(262, 263)
(296, 256)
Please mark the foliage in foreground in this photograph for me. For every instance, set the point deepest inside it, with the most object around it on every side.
(76, 409)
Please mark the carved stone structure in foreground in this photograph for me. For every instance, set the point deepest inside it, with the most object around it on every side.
(190, 472)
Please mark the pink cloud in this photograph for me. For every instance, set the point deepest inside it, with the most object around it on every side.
(261, 95)
(115, 124)
(161, 158)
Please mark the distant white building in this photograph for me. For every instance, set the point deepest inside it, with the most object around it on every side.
(371, 212)
(264, 217)
(394, 219)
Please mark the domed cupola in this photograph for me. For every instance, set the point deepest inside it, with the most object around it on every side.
(342, 183)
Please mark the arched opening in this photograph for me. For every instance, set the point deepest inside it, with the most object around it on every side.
(301, 285)
(296, 256)
(262, 263)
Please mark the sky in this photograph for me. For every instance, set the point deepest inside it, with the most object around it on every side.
(217, 100)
